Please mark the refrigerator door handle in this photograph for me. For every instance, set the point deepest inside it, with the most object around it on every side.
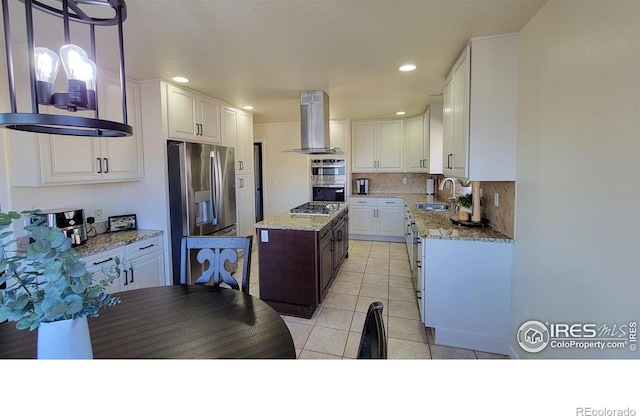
(213, 177)
(216, 185)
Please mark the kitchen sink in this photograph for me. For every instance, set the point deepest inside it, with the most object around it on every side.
(424, 206)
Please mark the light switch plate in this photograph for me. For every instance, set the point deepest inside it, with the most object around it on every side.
(264, 236)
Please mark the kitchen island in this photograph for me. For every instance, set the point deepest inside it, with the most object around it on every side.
(299, 256)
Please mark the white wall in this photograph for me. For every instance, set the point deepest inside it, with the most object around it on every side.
(578, 178)
(286, 175)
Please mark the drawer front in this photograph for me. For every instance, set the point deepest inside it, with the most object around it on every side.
(104, 259)
(362, 202)
(390, 202)
(142, 247)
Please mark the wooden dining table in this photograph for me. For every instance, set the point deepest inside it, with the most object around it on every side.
(175, 322)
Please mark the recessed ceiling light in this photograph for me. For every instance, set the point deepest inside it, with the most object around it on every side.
(180, 79)
(248, 107)
(401, 113)
(407, 67)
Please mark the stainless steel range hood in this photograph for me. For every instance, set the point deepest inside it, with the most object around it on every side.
(314, 124)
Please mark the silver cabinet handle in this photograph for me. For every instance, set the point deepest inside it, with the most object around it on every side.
(99, 164)
(126, 277)
(106, 165)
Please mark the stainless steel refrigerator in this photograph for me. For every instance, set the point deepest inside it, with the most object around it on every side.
(202, 194)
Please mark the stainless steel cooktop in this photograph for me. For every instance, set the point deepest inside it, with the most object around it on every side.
(315, 208)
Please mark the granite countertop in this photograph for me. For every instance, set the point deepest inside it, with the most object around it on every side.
(301, 222)
(108, 241)
(437, 225)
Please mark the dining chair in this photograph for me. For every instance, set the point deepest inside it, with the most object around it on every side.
(373, 342)
(221, 254)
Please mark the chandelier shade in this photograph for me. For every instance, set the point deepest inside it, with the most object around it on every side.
(80, 70)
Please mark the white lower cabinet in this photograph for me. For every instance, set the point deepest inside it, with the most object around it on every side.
(142, 265)
(467, 293)
(377, 218)
(246, 204)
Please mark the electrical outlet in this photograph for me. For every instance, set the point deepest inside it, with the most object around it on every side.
(496, 199)
(97, 214)
(404, 181)
(480, 192)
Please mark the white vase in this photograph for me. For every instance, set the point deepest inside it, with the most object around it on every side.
(68, 339)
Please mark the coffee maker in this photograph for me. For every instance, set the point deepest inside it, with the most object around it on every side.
(362, 186)
(70, 221)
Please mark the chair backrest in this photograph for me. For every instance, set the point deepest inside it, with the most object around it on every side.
(373, 342)
(222, 257)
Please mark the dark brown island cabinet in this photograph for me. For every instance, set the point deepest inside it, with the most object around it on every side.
(297, 266)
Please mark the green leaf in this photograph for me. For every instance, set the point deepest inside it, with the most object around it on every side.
(74, 303)
(77, 269)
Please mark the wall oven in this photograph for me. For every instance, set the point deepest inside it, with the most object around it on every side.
(328, 171)
(328, 179)
(333, 193)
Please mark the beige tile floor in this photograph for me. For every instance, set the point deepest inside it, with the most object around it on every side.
(374, 271)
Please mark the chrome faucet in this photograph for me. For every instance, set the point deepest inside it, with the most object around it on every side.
(453, 190)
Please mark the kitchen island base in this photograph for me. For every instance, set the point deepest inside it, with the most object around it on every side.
(297, 266)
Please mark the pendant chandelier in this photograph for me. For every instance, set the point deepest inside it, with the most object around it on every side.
(79, 67)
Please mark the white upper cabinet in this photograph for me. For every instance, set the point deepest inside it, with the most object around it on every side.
(433, 137)
(377, 146)
(192, 116)
(43, 159)
(416, 144)
(237, 132)
(481, 110)
(340, 134)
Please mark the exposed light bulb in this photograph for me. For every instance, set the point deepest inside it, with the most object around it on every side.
(407, 67)
(77, 65)
(180, 79)
(47, 64)
(248, 107)
(401, 113)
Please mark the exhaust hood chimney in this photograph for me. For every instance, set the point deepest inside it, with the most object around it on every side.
(314, 124)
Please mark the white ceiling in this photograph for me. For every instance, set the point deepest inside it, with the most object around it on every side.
(264, 52)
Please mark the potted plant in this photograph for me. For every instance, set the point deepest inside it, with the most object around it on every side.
(466, 202)
(465, 187)
(48, 283)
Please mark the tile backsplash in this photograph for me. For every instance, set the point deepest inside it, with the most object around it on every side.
(386, 183)
(501, 218)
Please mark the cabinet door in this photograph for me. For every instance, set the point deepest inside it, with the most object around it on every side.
(209, 119)
(122, 158)
(339, 134)
(145, 271)
(326, 261)
(362, 213)
(245, 197)
(244, 143)
(230, 128)
(390, 214)
(181, 113)
(416, 145)
(456, 152)
(69, 159)
(364, 146)
(447, 133)
(390, 145)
